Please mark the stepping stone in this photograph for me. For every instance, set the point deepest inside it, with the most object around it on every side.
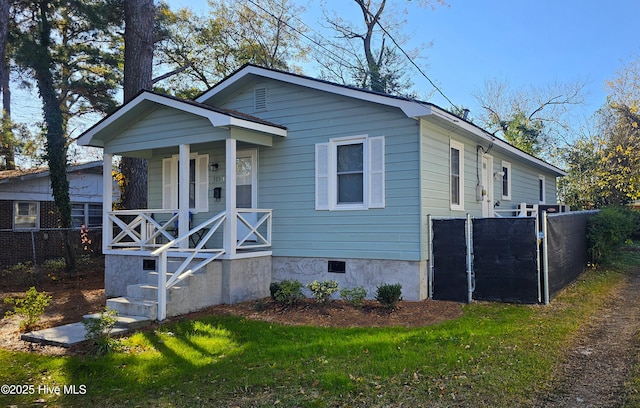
(62, 336)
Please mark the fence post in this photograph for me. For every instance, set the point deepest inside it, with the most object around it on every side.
(429, 257)
(470, 280)
(545, 257)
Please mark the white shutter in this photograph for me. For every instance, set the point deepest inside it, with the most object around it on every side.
(322, 176)
(169, 193)
(376, 172)
(202, 183)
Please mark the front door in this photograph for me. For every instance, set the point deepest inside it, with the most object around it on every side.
(246, 192)
(487, 183)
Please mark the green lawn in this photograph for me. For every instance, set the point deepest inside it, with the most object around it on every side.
(495, 355)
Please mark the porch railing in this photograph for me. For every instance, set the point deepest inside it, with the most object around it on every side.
(139, 229)
(254, 228)
(186, 269)
(522, 210)
(155, 230)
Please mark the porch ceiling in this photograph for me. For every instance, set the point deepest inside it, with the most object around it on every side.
(225, 123)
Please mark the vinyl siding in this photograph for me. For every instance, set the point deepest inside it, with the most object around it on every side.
(435, 177)
(162, 127)
(286, 175)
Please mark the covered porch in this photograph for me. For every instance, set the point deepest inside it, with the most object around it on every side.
(202, 196)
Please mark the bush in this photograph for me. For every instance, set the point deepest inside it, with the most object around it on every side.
(31, 306)
(355, 296)
(389, 295)
(322, 291)
(287, 292)
(99, 331)
(609, 229)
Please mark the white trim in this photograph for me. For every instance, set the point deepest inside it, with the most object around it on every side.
(373, 173)
(333, 172)
(15, 214)
(460, 147)
(509, 175)
(488, 199)
(253, 155)
(542, 189)
(170, 187)
(217, 119)
(411, 108)
(323, 186)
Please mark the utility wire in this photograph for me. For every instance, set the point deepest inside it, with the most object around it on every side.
(335, 58)
(413, 63)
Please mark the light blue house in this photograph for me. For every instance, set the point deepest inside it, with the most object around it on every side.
(325, 182)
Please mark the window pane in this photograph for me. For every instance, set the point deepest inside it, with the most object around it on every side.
(350, 188)
(455, 162)
(505, 181)
(192, 183)
(350, 158)
(455, 176)
(455, 190)
(77, 215)
(95, 215)
(26, 215)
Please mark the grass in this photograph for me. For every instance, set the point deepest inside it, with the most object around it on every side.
(495, 355)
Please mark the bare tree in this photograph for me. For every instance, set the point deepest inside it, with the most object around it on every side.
(371, 53)
(532, 119)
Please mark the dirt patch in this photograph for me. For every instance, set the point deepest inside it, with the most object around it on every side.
(338, 313)
(73, 295)
(596, 366)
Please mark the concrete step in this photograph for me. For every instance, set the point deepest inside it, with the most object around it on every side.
(150, 292)
(124, 321)
(134, 307)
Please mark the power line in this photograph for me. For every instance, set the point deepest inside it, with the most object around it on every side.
(330, 54)
(413, 63)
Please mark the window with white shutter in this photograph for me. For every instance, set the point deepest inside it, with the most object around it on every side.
(350, 173)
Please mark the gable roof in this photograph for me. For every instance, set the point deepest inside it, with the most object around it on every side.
(8, 176)
(412, 108)
(147, 101)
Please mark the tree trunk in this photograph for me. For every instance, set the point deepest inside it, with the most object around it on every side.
(6, 148)
(138, 60)
(42, 64)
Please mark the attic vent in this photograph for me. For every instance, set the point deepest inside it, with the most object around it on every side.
(260, 99)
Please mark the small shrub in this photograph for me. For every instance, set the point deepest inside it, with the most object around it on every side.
(322, 291)
(31, 307)
(389, 295)
(288, 292)
(355, 296)
(609, 229)
(99, 331)
(273, 289)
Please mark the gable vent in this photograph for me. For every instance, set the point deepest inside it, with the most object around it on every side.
(260, 99)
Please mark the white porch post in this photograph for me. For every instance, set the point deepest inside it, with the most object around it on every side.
(231, 222)
(107, 199)
(183, 195)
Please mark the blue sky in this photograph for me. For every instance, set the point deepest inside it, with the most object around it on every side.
(526, 43)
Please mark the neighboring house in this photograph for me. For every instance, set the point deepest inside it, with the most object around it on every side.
(328, 182)
(28, 216)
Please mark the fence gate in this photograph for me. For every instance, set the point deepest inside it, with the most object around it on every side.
(449, 260)
(505, 259)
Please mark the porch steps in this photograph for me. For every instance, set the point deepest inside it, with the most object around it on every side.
(141, 299)
(134, 307)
